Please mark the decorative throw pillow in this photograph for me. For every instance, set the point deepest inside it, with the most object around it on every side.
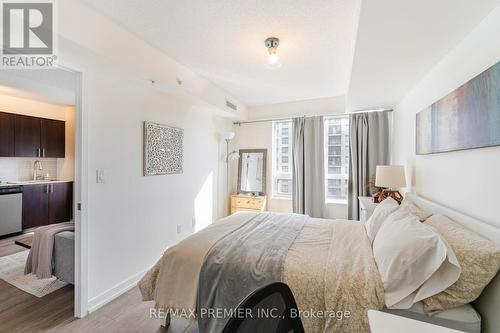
(478, 257)
(413, 260)
(383, 209)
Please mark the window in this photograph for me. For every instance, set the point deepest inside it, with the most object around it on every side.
(334, 161)
(334, 170)
(282, 158)
(334, 139)
(334, 182)
(334, 149)
(336, 158)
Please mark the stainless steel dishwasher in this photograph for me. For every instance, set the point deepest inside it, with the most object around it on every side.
(11, 209)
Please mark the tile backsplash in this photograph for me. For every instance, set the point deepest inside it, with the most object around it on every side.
(22, 168)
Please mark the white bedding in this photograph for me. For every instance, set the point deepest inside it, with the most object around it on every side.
(329, 268)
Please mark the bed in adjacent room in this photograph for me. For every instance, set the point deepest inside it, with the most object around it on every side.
(333, 267)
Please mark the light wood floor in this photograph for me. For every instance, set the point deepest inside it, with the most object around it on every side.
(25, 313)
(125, 314)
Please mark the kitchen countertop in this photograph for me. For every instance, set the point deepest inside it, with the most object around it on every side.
(5, 184)
(31, 182)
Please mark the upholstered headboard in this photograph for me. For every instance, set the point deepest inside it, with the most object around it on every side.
(488, 304)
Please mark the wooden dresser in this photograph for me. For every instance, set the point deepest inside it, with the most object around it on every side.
(242, 202)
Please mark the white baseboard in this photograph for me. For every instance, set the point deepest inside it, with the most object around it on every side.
(112, 293)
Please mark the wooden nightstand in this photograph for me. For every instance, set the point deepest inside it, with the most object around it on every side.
(242, 202)
(366, 208)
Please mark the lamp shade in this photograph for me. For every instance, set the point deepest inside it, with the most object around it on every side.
(227, 136)
(390, 176)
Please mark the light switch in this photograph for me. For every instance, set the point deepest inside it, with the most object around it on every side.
(100, 175)
(179, 228)
(193, 222)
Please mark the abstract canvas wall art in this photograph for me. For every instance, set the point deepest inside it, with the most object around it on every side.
(163, 149)
(467, 118)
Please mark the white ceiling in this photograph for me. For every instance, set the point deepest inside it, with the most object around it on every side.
(398, 42)
(223, 40)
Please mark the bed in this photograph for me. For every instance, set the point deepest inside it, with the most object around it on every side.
(328, 265)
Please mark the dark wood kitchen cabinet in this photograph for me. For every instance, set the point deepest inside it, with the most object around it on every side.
(7, 123)
(60, 202)
(45, 204)
(53, 135)
(35, 205)
(27, 136)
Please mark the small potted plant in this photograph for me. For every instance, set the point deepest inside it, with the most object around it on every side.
(374, 190)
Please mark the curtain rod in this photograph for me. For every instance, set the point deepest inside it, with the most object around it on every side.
(288, 118)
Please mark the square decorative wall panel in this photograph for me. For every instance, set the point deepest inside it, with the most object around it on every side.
(163, 149)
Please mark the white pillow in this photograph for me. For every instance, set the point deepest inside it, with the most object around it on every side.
(414, 261)
(410, 207)
(382, 210)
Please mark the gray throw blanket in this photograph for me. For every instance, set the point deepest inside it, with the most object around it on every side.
(250, 257)
(40, 259)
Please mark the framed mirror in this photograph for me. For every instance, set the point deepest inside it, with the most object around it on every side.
(252, 171)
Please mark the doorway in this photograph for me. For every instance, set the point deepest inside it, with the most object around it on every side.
(53, 99)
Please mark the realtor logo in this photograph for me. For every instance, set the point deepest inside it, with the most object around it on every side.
(27, 34)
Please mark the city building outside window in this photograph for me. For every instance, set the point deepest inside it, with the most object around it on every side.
(282, 158)
(336, 158)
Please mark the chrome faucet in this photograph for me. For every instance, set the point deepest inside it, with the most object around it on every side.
(37, 166)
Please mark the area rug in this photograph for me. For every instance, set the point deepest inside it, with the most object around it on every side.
(12, 272)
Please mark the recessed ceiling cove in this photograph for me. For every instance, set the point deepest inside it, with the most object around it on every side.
(223, 40)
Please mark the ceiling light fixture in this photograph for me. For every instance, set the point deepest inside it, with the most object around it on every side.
(272, 46)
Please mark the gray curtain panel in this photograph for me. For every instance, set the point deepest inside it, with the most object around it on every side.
(369, 147)
(308, 166)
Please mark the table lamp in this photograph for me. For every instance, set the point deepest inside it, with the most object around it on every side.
(390, 177)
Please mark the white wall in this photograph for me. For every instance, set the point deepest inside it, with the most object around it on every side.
(66, 165)
(469, 180)
(132, 218)
(310, 107)
(46, 85)
(259, 136)
(30, 107)
(142, 213)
